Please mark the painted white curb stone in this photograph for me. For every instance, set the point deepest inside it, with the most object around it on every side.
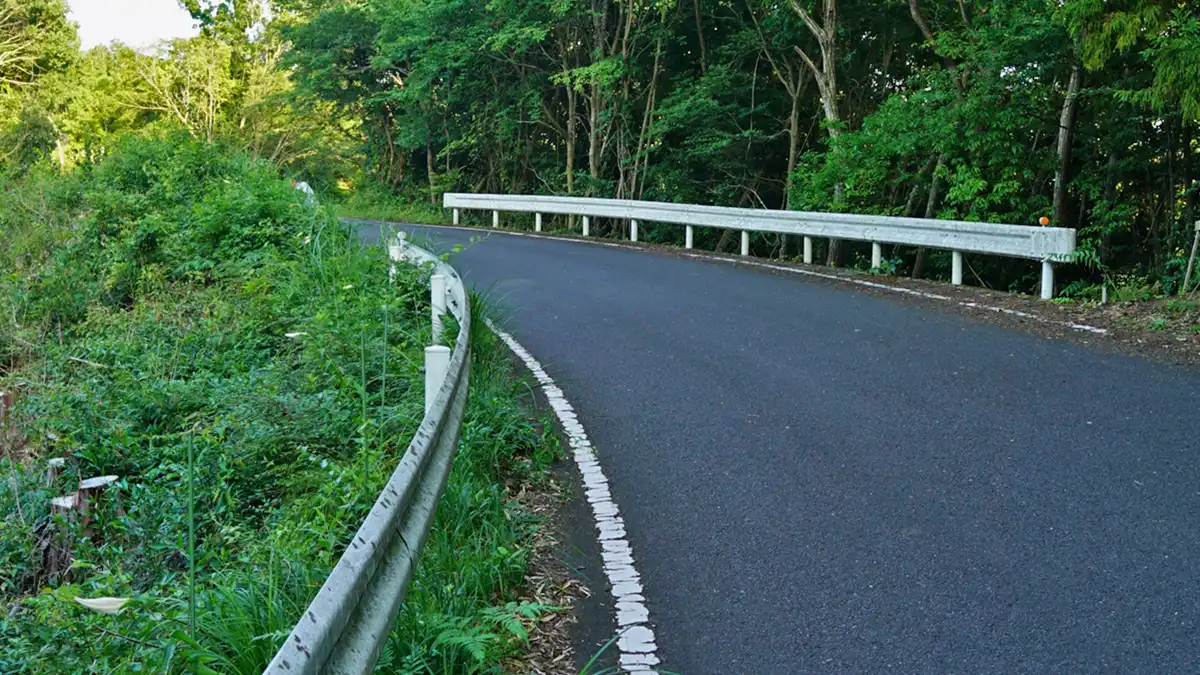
(636, 638)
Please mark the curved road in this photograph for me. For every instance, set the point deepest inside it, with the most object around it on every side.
(820, 481)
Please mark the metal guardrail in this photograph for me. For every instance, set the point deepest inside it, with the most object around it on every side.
(347, 624)
(1046, 244)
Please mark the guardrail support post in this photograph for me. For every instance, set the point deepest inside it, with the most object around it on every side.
(688, 237)
(395, 254)
(437, 303)
(876, 255)
(956, 268)
(1047, 280)
(457, 215)
(745, 242)
(495, 219)
(633, 230)
(808, 250)
(437, 364)
(586, 224)
(537, 222)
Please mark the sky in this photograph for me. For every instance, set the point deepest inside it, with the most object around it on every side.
(137, 23)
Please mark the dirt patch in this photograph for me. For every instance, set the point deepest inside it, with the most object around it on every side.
(550, 582)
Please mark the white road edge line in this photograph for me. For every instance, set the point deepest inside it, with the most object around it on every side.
(909, 291)
(796, 270)
(636, 638)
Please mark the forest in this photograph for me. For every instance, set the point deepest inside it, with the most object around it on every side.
(1081, 111)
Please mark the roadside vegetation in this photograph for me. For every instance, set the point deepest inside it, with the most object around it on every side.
(177, 316)
(1075, 113)
(1080, 113)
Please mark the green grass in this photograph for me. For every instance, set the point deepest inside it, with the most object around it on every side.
(377, 204)
(179, 317)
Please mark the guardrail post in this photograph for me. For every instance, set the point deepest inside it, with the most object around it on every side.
(688, 237)
(437, 303)
(876, 255)
(437, 364)
(586, 223)
(537, 222)
(495, 219)
(633, 230)
(956, 268)
(457, 215)
(808, 250)
(745, 242)
(1047, 280)
(395, 254)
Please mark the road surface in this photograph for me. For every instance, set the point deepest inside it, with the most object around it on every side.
(816, 480)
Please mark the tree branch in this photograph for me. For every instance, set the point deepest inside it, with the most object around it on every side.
(817, 31)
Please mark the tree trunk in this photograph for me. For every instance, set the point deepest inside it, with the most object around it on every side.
(918, 270)
(396, 161)
(641, 153)
(793, 146)
(1066, 125)
(837, 255)
(700, 36)
(826, 77)
(594, 134)
(446, 135)
(430, 169)
(572, 133)
(1189, 179)
(910, 206)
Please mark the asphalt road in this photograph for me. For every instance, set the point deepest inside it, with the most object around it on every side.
(820, 481)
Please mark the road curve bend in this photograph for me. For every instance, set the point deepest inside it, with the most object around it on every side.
(815, 480)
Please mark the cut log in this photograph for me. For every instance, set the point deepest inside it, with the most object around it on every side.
(65, 505)
(54, 467)
(54, 540)
(91, 492)
(94, 485)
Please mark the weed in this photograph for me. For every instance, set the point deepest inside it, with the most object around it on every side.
(888, 267)
(1181, 306)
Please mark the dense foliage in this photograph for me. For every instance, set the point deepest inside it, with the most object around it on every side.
(72, 107)
(1082, 112)
(179, 317)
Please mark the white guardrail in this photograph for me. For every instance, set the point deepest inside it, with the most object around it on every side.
(347, 624)
(1046, 244)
